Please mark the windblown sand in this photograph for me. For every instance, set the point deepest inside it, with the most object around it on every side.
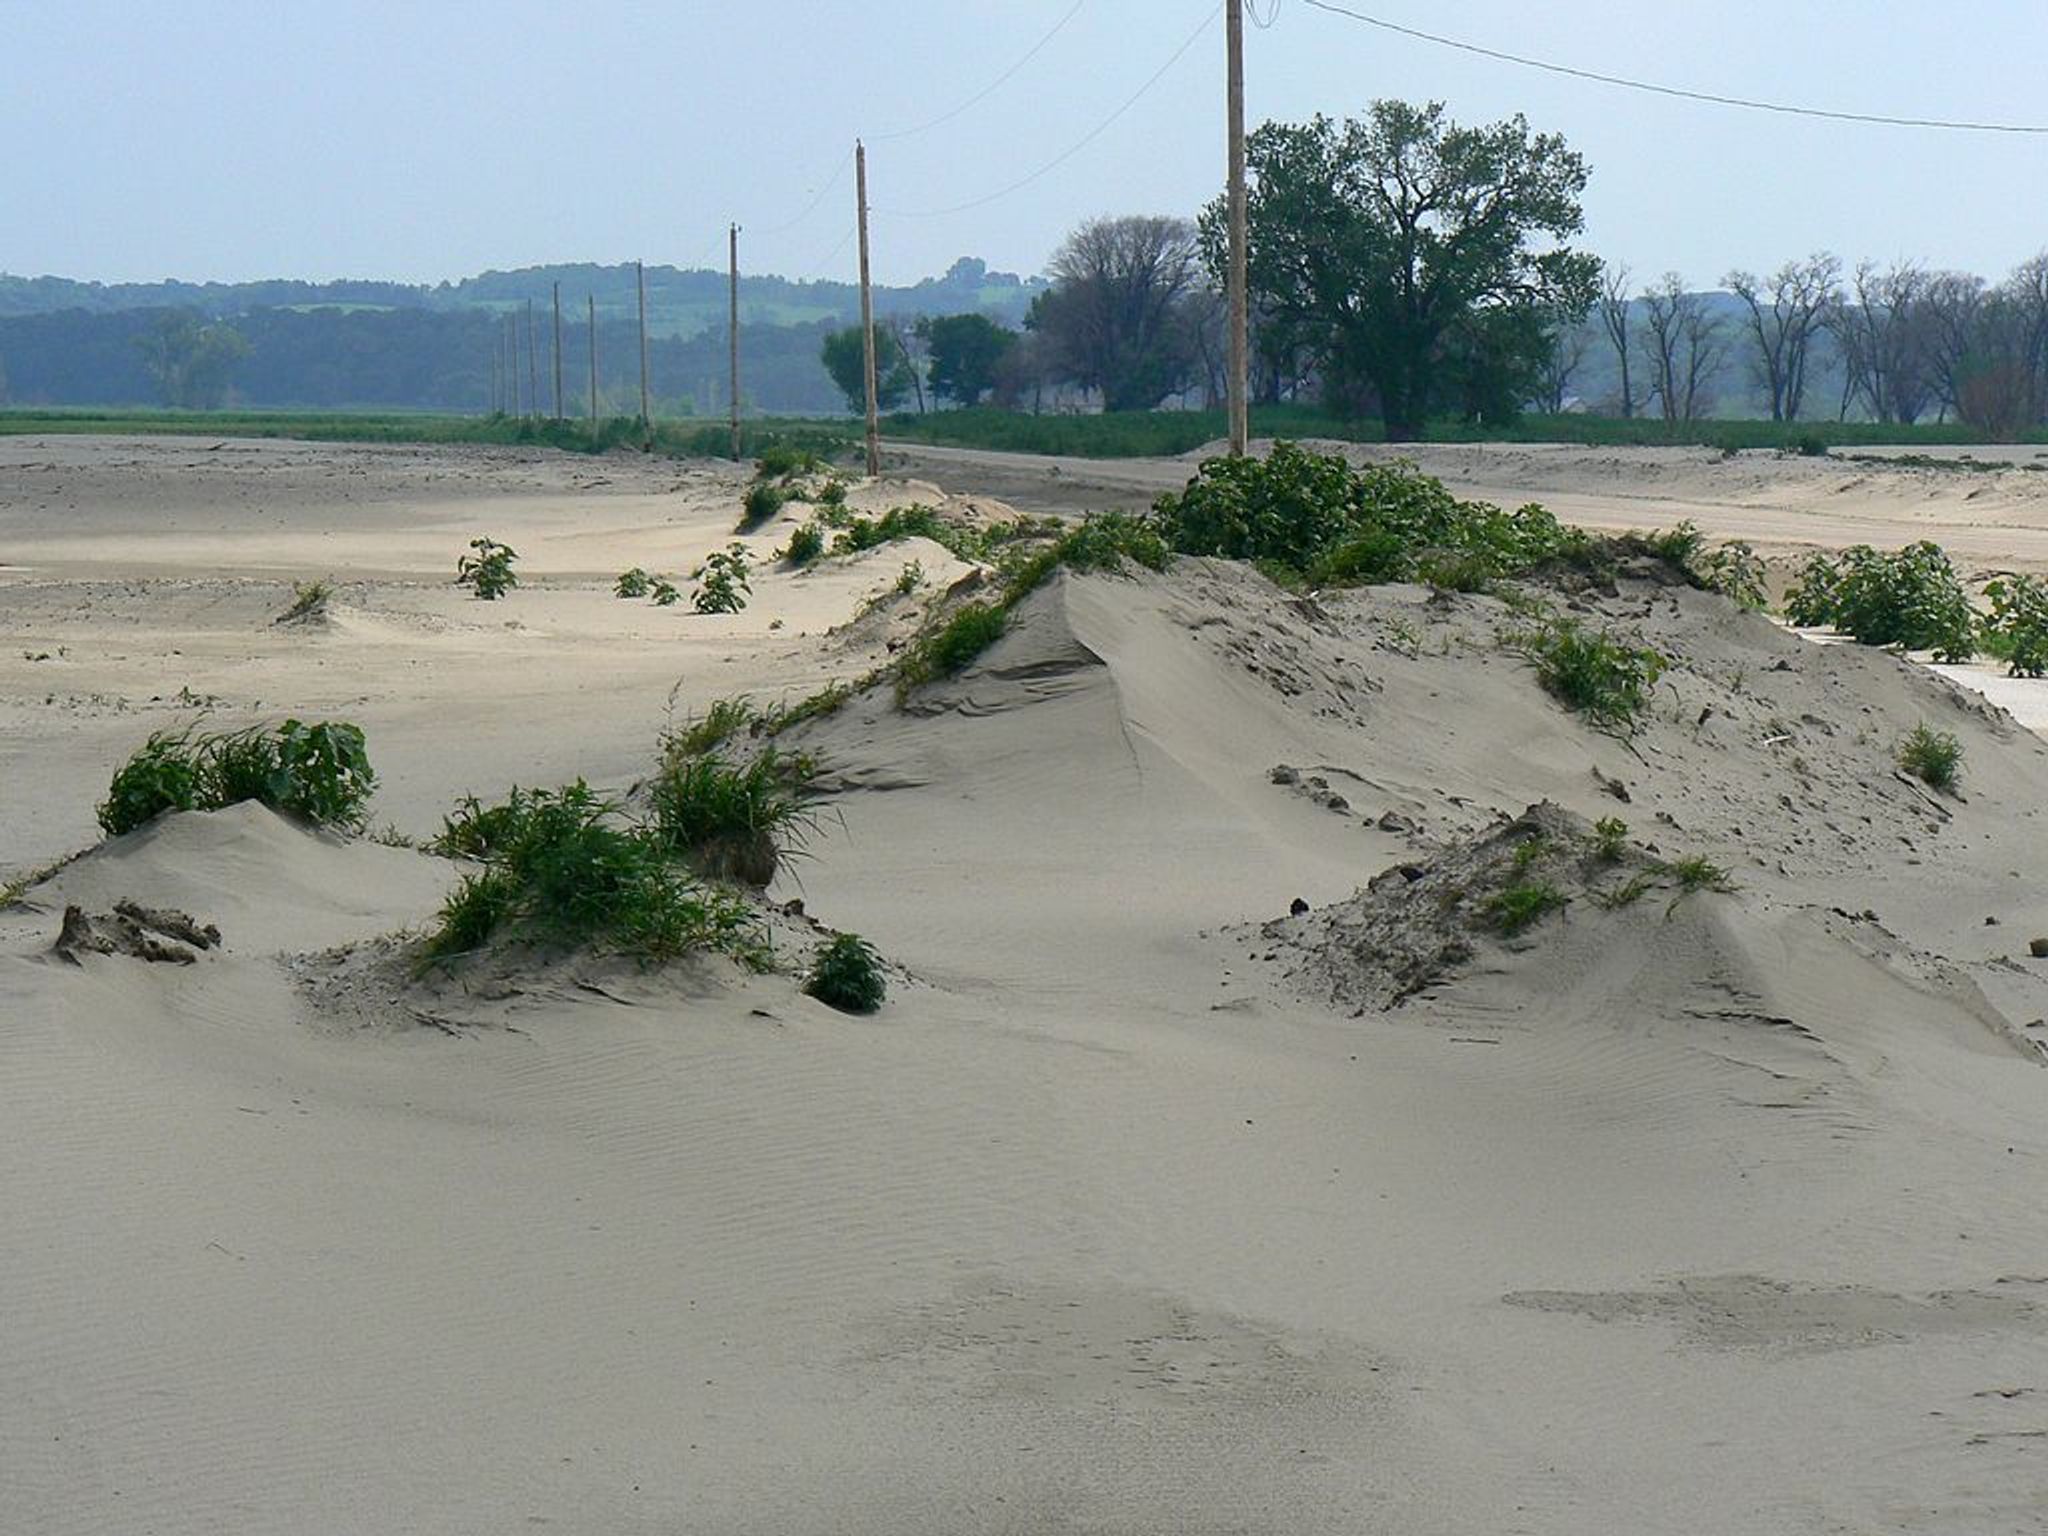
(1143, 1206)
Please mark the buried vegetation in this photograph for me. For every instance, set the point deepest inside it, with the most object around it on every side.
(317, 771)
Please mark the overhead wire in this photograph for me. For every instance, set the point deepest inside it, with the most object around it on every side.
(1712, 97)
(1073, 149)
(987, 91)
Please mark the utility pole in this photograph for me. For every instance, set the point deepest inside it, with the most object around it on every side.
(558, 351)
(497, 367)
(532, 367)
(592, 299)
(867, 308)
(1240, 428)
(646, 421)
(734, 238)
(512, 358)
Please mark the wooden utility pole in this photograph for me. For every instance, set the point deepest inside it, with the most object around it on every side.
(532, 368)
(558, 351)
(512, 357)
(867, 308)
(734, 264)
(497, 369)
(592, 300)
(1240, 426)
(646, 420)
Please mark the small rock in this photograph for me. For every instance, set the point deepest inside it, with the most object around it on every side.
(1297, 908)
(794, 907)
(1280, 773)
(1394, 821)
(2038, 948)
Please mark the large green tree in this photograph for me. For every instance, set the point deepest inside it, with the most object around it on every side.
(1418, 262)
(1116, 319)
(191, 362)
(966, 352)
(845, 359)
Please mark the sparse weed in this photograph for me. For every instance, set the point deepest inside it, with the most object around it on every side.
(722, 584)
(720, 722)
(826, 701)
(728, 820)
(633, 583)
(847, 975)
(1699, 873)
(909, 579)
(1610, 839)
(1601, 675)
(950, 645)
(488, 571)
(309, 600)
(1521, 905)
(1934, 757)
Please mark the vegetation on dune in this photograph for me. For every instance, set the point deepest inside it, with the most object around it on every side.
(762, 500)
(2016, 629)
(309, 600)
(1934, 757)
(1911, 599)
(722, 582)
(1601, 674)
(634, 583)
(947, 647)
(847, 975)
(721, 721)
(806, 545)
(487, 571)
(319, 772)
(730, 819)
(561, 868)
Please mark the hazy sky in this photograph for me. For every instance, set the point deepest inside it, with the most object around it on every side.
(230, 140)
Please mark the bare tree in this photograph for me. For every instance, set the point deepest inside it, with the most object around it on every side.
(1883, 336)
(1683, 344)
(1613, 305)
(1950, 322)
(1113, 320)
(1785, 314)
(1993, 352)
(1568, 343)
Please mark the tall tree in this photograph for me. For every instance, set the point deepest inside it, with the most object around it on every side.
(1568, 343)
(845, 359)
(966, 352)
(1683, 344)
(1114, 319)
(1784, 314)
(1402, 248)
(1613, 303)
(191, 362)
(1883, 335)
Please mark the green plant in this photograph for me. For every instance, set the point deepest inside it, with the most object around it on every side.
(722, 720)
(1935, 757)
(1810, 599)
(1102, 541)
(634, 583)
(1911, 599)
(1699, 873)
(1810, 445)
(762, 500)
(1527, 852)
(782, 461)
(1736, 571)
(1677, 547)
(826, 701)
(722, 584)
(948, 646)
(1610, 839)
(832, 493)
(909, 579)
(663, 594)
(806, 544)
(320, 772)
(309, 599)
(2016, 630)
(847, 975)
(732, 821)
(488, 572)
(1601, 675)
(1520, 906)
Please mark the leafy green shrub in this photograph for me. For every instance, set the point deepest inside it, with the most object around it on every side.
(1610, 839)
(319, 772)
(1294, 506)
(1456, 572)
(1934, 757)
(562, 870)
(1677, 547)
(722, 584)
(763, 499)
(832, 493)
(732, 821)
(309, 600)
(847, 975)
(1601, 675)
(1521, 905)
(950, 645)
(1102, 541)
(633, 583)
(488, 572)
(1736, 571)
(1810, 445)
(1911, 599)
(781, 461)
(806, 544)
(663, 593)
(2016, 632)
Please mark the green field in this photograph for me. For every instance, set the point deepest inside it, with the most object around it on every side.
(1125, 435)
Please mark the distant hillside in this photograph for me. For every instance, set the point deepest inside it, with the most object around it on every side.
(430, 347)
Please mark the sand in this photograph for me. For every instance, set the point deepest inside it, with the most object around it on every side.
(1131, 1212)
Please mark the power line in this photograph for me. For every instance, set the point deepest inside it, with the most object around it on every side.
(817, 198)
(995, 85)
(1073, 149)
(1671, 90)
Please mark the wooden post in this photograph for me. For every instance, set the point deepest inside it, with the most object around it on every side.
(734, 265)
(867, 308)
(558, 351)
(512, 357)
(646, 420)
(593, 361)
(497, 367)
(532, 367)
(1240, 410)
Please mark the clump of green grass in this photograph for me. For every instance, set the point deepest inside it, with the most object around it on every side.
(1610, 839)
(806, 544)
(731, 820)
(487, 571)
(1699, 873)
(949, 646)
(561, 869)
(721, 721)
(319, 772)
(634, 583)
(828, 700)
(1600, 674)
(847, 975)
(1934, 757)
(1520, 906)
(762, 500)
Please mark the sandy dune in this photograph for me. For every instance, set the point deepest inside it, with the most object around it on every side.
(1716, 1211)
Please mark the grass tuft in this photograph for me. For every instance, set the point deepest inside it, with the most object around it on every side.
(847, 975)
(1934, 757)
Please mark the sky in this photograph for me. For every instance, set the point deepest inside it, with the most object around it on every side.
(232, 140)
